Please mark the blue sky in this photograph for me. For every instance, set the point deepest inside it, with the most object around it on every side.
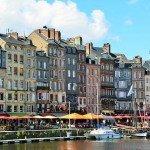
(125, 24)
(129, 24)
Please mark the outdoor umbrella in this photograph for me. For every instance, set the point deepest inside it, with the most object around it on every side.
(38, 117)
(49, 117)
(13, 117)
(91, 116)
(72, 116)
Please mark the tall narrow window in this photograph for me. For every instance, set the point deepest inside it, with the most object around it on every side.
(15, 71)
(15, 58)
(21, 59)
(21, 71)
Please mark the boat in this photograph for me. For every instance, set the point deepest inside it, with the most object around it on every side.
(139, 134)
(90, 134)
(104, 133)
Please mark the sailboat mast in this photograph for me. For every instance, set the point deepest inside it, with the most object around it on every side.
(135, 110)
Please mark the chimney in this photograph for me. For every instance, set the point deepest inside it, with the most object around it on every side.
(52, 33)
(14, 34)
(138, 59)
(107, 47)
(45, 32)
(78, 40)
(89, 48)
(57, 35)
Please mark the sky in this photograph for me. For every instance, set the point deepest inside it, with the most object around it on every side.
(125, 24)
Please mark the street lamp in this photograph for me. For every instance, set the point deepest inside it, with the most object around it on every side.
(69, 114)
(97, 104)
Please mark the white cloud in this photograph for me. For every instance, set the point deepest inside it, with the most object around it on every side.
(133, 1)
(116, 38)
(26, 16)
(128, 22)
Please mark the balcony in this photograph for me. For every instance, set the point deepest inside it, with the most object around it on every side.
(108, 96)
(42, 87)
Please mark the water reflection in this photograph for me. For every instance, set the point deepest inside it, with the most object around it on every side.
(128, 144)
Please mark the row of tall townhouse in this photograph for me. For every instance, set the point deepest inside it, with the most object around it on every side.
(15, 80)
(43, 73)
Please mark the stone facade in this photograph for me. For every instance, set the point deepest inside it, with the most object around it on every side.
(92, 86)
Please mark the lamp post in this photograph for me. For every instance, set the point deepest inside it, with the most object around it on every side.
(69, 114)
(97, 104)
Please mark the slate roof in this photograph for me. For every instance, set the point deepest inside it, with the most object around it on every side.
(147, 65)
(10, 39)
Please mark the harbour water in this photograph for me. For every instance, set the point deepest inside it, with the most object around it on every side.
(122, 144)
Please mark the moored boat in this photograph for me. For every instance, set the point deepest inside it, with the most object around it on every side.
(139, 134)
(104, 133)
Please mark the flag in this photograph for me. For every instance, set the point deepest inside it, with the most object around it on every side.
(130, 91)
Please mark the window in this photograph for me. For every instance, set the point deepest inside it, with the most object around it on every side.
(74, 75)
(28, 52)
(135, 74)
(140, 75)
(87, 71)
(21, 108)
(95, 72)
(28, 108)
(69, 86)
(21, 59)
(1, 96)
(68, 73)
(102, 66)
(141, 85)
(45, 65)
(9, 57)
(15, 96)
(21, 71)
(107, 79)
(21, 84)
(117, 73)
(107, 67)
(9, 84)
(21, 96)
(55, 52)
(45, 76)
(39, 65)
(74, 86)
(15, 71)
(9, 70)
(122, 94)
(9, 96)
(111, 67)
(111, 79)
(39, 74)
(15, 84)
(15, 58)
(28, 73)
(68, 61)
(103, 79)
(50, 51)
(1, 83)
(9, 108)
(73, 61)
(122, 84)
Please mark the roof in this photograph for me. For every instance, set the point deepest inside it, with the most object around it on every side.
(146, 65)
(10, 39)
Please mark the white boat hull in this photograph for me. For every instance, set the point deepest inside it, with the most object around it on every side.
(140, 135)
(104, 133)
(108, 136)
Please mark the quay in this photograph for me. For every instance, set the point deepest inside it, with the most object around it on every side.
(13, 141)
(28, 136)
